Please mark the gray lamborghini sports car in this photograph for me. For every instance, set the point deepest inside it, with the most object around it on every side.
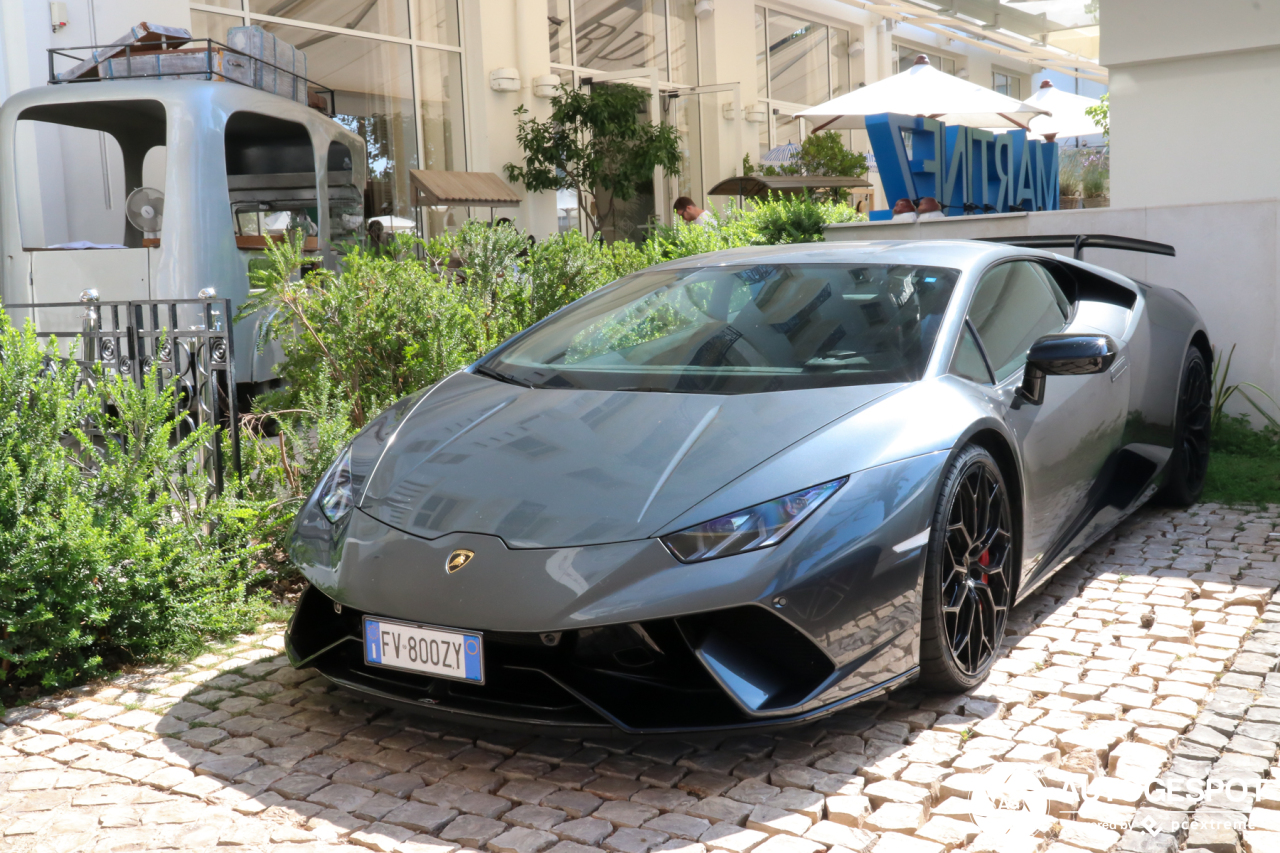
(750, 488)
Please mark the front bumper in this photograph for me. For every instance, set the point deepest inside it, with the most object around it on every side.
(693, 673)
(642, 642)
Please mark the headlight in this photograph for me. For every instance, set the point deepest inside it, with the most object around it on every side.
(746, 530)
(336, 494)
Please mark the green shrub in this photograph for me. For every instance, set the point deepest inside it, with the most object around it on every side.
(1235, 434)
(282, 469)
(796, 220)
(110, 550)
(378, 330)
(777, 220)
(388, 324)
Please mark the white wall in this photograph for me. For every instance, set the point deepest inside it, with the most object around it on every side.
(1226, 263)
(1157, 106)
(1136, 31)
(1179, 68)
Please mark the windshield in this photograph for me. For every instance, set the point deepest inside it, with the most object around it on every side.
(739, 330)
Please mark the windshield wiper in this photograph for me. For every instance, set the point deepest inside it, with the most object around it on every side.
(485, 370)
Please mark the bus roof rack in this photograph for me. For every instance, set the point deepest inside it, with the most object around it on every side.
(1079, 241)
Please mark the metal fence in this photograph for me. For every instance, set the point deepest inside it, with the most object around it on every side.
(186, 343)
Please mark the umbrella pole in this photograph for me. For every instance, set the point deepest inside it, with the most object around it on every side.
(1015, 121)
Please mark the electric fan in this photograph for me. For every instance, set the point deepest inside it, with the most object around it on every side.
(145, 209)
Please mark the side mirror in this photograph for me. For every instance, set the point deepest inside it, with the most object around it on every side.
(1064, 355)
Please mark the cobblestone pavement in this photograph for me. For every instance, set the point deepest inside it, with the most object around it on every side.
(1145, 668)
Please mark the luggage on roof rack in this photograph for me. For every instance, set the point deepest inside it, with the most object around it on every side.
(252, 57)
(144, 35)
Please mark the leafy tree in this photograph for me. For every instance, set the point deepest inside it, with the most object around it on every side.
(821, 154)
(1101, 115)
(595, 144)
(824, 154)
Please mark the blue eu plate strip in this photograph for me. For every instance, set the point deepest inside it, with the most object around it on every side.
(471, 657)
(373, 641)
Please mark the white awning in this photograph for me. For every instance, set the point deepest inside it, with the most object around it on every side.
(923, 90)
(1067, 115)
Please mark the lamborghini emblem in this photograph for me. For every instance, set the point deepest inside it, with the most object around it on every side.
(458, 559)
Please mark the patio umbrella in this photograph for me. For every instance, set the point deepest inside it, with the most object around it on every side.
(782, 155)
(394, 223)
(1067, 113)
(923, 90)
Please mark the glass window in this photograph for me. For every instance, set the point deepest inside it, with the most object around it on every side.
(684, 42)
(786, 129)
(619, 35)
(798, 60)
(438, 21)
(1064, 304)
(762, 49)
(372, 83)
(210, 25)
(685, 113)
(440, 94)
(560, 31)
(968, 361)
(1013, 306)
(740, 329)
(386, 17)
(839, 62)
(1006, 84)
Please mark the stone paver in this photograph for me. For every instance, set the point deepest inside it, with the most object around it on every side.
(1144, 673)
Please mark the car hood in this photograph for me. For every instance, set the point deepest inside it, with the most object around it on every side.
(552, 468)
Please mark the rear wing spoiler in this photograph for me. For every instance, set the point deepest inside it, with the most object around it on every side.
(1077, 242)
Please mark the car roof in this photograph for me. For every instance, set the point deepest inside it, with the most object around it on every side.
(958, 254)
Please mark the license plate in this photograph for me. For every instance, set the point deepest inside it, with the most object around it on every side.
(417, 648)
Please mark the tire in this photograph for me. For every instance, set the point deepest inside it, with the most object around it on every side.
(1185, 474)
(970, 573)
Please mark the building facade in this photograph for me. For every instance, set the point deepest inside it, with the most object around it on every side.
(1215, 73)
(413, 77)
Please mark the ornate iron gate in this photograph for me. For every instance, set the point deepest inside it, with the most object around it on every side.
(183, 342)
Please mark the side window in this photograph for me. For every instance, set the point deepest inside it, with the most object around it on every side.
(968, 361)
(1013, 306)
(1064, 304)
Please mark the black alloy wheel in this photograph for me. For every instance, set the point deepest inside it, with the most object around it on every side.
(1189, 461)
(969, 575)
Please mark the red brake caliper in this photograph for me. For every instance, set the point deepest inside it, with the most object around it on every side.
(985, 560)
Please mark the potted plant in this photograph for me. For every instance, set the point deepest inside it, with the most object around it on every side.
(1095, 180)
(1068, 182)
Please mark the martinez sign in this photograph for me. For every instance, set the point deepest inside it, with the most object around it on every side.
(968, 170)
